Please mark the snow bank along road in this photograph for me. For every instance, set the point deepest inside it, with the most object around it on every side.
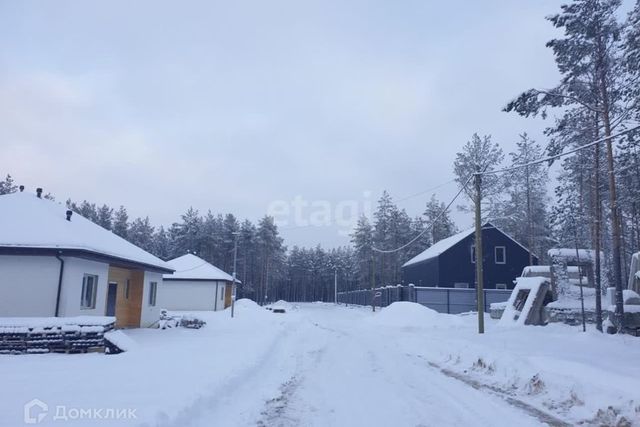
(322, 365)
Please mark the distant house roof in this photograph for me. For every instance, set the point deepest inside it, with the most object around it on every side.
(191, 267)
(440, 247)
(29, 224)
(444, 245)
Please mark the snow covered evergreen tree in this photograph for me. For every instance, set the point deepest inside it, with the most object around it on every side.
(589, 57)
(523, 211)
(362, 241)
(8, 186)
(271, 256)
(121, 222)
(438, 218)
(187, 235)
(480, 154)
(161, 244)
(104, 217)
(141, 234)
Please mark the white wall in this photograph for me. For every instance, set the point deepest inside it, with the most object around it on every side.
(150, 314)
(191, 295)
(28, 285)
(74, 271)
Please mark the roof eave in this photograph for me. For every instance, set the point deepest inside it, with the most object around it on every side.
(84, 254)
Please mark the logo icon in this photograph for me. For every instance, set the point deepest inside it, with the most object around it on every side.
(35, 411)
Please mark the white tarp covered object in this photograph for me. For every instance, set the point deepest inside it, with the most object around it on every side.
(525, 301)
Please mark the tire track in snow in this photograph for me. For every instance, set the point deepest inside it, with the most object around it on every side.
(504, 394)
(278, 411)
(220, 394)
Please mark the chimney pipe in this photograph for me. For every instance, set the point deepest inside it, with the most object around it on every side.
(39, 193)
(69, 213)
(21, 188)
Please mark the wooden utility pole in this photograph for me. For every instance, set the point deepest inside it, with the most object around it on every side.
(335, 285)
(479, 257)
(235, 263)
(529, 219)
(373, 282)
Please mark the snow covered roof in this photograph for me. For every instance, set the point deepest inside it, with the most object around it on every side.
(444, 245)
(29, 222)
(546, 269)
(440, 247)
(191, 267)
(571, 255)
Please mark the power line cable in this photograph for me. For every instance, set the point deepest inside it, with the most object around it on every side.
(426, 191)
(433, 223)
(503, 170)
(557, 156)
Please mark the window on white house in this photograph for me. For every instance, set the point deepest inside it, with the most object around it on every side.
(222, 293)
(89, 288)
(126, 289)
(473, 254)
(501, 286)
(500, 254)
(153, 291)
(461, 285)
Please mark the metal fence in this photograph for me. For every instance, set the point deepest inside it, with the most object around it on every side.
(443, 300)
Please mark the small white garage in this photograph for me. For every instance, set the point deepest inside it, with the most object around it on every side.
(195, 285)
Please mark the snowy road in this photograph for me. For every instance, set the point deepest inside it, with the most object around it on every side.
(326, 365)
(327, 368)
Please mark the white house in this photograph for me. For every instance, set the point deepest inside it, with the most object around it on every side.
(56, 263)
(195, 285)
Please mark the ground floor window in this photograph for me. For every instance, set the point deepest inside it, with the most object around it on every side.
(89, 288)
(461, 285)
(501, 286)
(153, 291)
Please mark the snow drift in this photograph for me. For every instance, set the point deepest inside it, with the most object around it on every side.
(405, 314)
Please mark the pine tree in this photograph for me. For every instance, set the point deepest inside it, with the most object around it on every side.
(247, 258)
(480, 155)
(362, 241)
(89, 211)
(141, 234)
(270, 256)
(523, 212)
(187, 235)
(230, 226)
(104, 216)
(437, 217)
(590, 61)
(8, 186)
(384, 237)
(121, 222)
(423, 237)
(161, 244)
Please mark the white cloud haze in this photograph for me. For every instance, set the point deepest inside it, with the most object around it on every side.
(231, 106)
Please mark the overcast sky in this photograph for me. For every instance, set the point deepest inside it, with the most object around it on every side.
(232, 106)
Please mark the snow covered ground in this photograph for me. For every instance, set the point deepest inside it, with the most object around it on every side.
(322, 365)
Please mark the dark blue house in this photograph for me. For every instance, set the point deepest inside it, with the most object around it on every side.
(450, 263)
